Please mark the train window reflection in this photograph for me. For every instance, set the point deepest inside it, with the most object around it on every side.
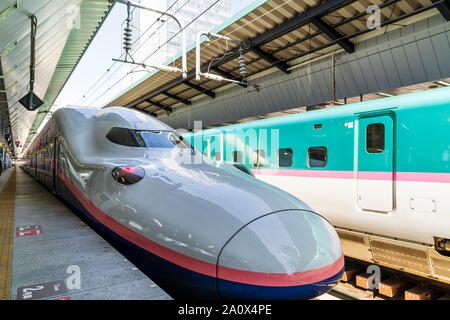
(317, 157)
(146, 138)
(123, 137)
(285, 158)
(160, 139)
(375, 138)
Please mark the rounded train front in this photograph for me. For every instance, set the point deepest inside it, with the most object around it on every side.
(212, 233)
(291, 254)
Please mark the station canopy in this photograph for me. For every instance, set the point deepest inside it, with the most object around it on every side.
(276, 35)
(65, 29)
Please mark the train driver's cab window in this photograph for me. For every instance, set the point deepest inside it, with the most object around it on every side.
(122, 136)
(217, 156)
(146, 138)
(375, 138)
(236, 156)
(317, 157)
(259, 158)
(285, 158)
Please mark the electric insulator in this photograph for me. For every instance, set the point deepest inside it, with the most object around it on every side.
(243, 72)
(127, 38)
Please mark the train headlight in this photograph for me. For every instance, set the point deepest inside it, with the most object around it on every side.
(128, 175)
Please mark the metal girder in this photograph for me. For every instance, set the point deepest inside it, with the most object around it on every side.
(281, 65)
(159, 105)
(283, 28)
(208, 92)
(177, 98)
(226, 74)
(299, 20)
(333, 34)
(444, 8)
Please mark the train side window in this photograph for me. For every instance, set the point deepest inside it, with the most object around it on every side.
(237, 156)
(285, 158)
(317, 157)
(375, 138)
(259, 158)
(123, 137)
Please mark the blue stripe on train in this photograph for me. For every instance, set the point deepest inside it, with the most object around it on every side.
(236, 291)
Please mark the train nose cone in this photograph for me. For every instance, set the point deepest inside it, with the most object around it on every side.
(292, 254)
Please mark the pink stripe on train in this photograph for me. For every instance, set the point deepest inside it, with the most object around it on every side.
(364, 175)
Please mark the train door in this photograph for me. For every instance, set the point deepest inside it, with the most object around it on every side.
(376, 163)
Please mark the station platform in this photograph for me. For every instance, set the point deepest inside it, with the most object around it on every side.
(47, 252)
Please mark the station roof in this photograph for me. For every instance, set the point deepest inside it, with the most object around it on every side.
(277, 35)
(371, 96)
(64, 30)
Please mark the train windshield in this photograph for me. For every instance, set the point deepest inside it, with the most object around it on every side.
(146, 138)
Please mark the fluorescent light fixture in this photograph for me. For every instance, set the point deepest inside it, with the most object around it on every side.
(443, 83)
(385, 94)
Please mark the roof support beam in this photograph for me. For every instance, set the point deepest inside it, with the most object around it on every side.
(299, 21)
(177, 98)
(208, 92)
(334, 35)
(444, 8)
(227, 75)
(159, 105)
(283, 66)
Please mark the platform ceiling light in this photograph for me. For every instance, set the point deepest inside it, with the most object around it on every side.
(9, 10)
(2, 76)
(31, 101)
(385, 94)
(443, 83)
(8, 49)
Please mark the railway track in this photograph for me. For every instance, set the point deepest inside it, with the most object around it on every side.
(394, 285)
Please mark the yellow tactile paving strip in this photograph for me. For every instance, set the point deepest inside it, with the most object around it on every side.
(6, 235)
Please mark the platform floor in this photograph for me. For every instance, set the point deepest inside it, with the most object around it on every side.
(57, 256)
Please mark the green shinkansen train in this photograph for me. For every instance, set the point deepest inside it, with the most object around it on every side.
(377, 170)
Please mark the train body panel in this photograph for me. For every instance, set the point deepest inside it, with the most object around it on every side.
(376, 169)
(176, 219)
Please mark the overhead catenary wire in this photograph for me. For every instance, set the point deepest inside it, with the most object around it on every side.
(152, 53)
(135, 49)
(316, 50)
(84, 96)
(160, 77)
(164, 75)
